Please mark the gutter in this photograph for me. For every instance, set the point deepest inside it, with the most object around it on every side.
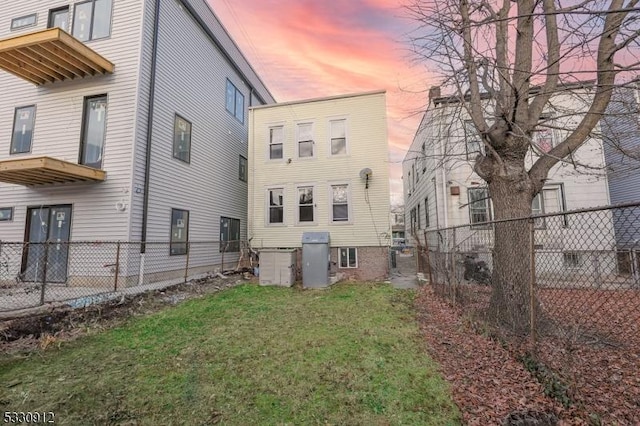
(147, 160)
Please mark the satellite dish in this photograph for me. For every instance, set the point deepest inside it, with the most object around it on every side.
(365, 173)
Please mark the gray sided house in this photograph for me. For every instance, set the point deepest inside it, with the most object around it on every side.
(621, 131)
(121, 120)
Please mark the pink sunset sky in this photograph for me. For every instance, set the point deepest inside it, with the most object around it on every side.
(310, 48)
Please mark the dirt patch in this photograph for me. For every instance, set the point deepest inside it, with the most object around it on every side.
(65, 323)
(586, 355)
(487, 383)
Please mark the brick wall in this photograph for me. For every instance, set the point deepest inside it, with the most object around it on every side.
(373, 264)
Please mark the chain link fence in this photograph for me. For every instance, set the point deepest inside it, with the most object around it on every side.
(562, 288)
(82, 273)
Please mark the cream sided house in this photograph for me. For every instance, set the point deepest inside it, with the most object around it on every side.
(320, 166)
(441, 190)
(121, 120)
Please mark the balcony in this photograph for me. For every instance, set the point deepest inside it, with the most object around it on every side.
(46, 170)
(50, 55)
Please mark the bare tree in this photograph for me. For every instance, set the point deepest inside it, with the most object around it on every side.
(504, 61)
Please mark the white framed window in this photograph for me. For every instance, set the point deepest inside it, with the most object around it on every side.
(544, 135)
(572, 259)
(479, 205)
(276, 142)
(304, 140)
(338, 137)
(473, 143)
(426, 213)
(537, 207)
(306, 205)
(340, 203)
(275, 206)
(348, 257)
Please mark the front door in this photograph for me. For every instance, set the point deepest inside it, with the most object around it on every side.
(50, 224)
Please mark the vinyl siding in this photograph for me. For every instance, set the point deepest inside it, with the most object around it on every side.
(621, 130)
(442, 131)
(58, 124)
(191, 78)
(621, 126)
(367, 148)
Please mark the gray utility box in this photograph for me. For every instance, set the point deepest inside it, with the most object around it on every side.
(315, 259)
(277, 267)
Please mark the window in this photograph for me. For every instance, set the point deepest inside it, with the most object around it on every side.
(93, 131)
(24, 21)
(305, 140)
(348, 257)
(413, 219)
(423, 158)
(23, 123)
(229, 235)
(572, 259)
(479, 206)
(6, 214)
(544, 136)
(59, 18)
(426, 212)
(242, 168)
(181, 139)
(338, 137)
(92, 20)
(276, 206)
(418, 216)
(276, 141)
(537, 207)
(340, 203)
(473, 142)
(179, 232)
(305, 204)
(235, 101)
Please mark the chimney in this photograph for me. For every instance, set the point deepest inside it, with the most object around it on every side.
(434, 92)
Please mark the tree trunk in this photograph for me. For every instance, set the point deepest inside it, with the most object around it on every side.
(510, 298)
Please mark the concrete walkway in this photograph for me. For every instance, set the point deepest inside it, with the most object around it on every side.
(404, 275)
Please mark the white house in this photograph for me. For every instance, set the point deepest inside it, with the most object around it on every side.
(121, 120)
(441, 190)
(322, 165)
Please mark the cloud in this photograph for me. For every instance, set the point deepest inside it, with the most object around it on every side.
(307, 49)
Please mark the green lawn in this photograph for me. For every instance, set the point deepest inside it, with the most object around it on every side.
(250, 355)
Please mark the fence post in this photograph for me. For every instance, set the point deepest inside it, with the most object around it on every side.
(532, 282)
(115, 281)
(186, 266)
(44, 273)
(427, 257)
(224, 249)
(453, 264)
